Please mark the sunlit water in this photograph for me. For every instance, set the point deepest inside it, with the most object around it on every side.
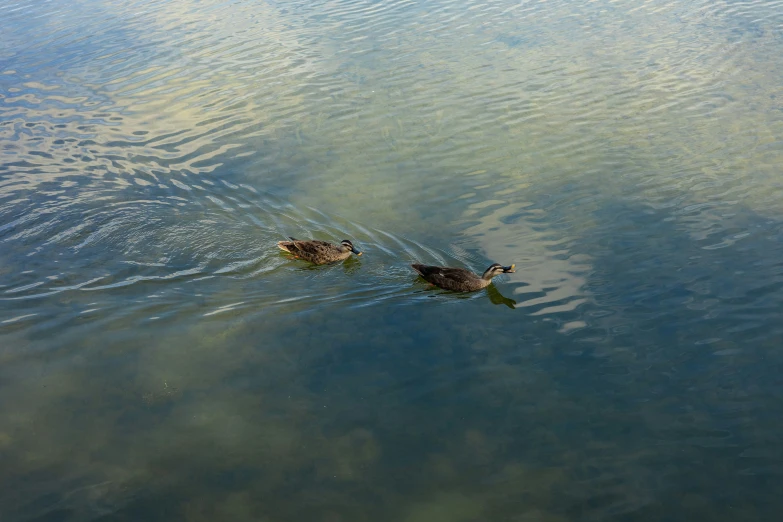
(161, 360)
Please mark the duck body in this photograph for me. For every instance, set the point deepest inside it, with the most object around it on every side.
(460, 279)
(318, 252)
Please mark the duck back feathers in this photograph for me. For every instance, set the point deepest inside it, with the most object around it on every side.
(315, 251)
(455, 279)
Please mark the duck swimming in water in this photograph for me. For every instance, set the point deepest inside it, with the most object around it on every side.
(459, 279)
(318, 252)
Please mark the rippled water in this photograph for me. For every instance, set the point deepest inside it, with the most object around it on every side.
(161, 360)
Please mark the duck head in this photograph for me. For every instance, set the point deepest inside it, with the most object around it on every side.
(347, 245)
(495, 269)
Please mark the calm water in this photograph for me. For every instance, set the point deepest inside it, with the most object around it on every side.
(160, 360)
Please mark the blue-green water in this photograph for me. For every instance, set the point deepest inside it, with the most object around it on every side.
(161, 360)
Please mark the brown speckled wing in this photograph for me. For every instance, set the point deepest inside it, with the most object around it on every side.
(318, 252)
(313, 248)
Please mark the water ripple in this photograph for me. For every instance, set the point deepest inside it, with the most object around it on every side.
(189, 237)
(626, 158)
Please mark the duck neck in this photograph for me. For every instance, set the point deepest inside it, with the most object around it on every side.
(488, 275)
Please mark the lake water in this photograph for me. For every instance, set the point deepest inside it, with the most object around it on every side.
(161, 360)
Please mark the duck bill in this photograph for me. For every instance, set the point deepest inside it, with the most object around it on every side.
(509, 269)
(356, 252)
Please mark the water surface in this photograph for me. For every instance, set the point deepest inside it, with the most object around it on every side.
(161, 360)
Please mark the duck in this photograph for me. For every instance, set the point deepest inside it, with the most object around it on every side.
(460, 279)
(318, 252)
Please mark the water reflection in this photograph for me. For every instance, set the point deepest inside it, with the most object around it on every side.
(497, 298)
(161, 359)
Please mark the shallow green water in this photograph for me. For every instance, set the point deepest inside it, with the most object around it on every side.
(161, 360)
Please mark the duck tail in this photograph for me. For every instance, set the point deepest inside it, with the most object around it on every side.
(418, 268)
(285, 245)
